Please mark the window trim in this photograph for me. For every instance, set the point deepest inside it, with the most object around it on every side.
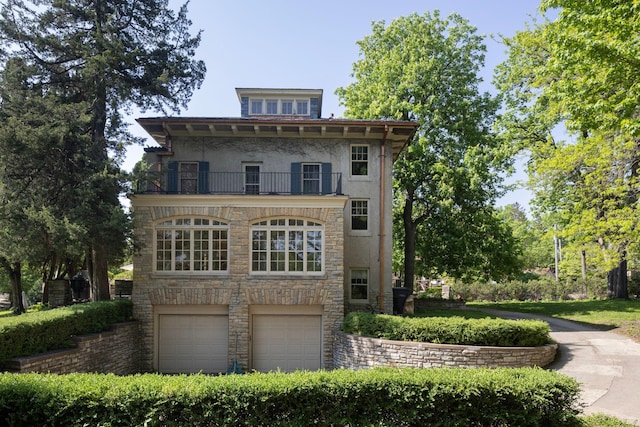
(215, 224)
(352, 161)
(351, 284)
(283, 225)
(368, 216)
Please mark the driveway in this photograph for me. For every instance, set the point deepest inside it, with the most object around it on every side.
(606, 365)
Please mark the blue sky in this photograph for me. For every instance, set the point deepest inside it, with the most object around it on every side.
(293, 44)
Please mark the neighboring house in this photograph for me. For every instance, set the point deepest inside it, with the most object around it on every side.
(257, 233)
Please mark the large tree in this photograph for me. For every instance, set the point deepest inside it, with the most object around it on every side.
(426, 68)
(579, 72)
(112, 55)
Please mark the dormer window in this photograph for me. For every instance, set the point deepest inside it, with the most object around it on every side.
(279, 107)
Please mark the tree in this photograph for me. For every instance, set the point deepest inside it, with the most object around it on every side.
(425, 68)
(579, 71)
(111, 55)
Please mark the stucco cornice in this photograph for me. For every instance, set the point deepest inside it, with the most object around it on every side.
(240, 201)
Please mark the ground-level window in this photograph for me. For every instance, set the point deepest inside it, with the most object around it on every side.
(191, 245)
(359, 284)
(287, 246)
(359, 214)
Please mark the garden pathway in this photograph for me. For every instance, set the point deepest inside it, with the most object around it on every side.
(606, 364)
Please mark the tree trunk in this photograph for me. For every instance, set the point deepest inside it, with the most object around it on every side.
(409, 242)
(99, 272)
(617, 284)
(14, 270)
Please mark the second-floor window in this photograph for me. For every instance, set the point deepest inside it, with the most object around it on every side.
(191, 245)
(359, 160)
(310, 178)
(287, 246)
(359, 284)
(359, 214)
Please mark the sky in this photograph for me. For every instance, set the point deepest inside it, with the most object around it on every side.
(294, 44)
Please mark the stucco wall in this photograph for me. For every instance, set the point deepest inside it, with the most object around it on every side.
(113, 351)
(356, 352)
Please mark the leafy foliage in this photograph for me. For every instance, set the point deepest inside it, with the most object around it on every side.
(425, 68)
(41, 331)
(375, 397)
(449, 330)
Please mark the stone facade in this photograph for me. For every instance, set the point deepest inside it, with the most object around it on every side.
(356, 352)
(237, 290)
(113, 351)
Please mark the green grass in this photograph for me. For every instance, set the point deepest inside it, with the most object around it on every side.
(610, 313)
(600, 420)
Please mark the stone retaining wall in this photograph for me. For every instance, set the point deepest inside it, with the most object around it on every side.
(356, 352)
(112, 351)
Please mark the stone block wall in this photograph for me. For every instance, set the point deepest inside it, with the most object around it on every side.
(114, 351)
(357, 352)
(237, 289)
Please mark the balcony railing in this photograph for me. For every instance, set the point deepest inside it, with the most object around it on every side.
(172, 182)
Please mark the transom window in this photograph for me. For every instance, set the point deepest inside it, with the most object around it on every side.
(359, 214)
(359, 284)
(359, 160)
(192, 245)
(287, 246)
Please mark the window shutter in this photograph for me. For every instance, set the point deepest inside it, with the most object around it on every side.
(314, 108)
(296, 178)
(244, 106)
(326, 178)
(172, 178)
(203, 177)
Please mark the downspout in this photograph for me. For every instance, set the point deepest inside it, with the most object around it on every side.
(381, 239)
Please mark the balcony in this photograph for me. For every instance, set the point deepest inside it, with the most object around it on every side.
(250, 183)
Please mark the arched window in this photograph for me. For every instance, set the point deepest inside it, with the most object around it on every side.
(287, 246)
(192, 245)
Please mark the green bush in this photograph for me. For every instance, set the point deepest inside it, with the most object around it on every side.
(449, 330)
(431, 293)
(376, 397)
(47, 330)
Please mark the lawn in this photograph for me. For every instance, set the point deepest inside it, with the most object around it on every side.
(622, 315)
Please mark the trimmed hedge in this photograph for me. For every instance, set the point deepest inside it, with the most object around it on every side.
(47, 330)
(373, 397)
(449, 330)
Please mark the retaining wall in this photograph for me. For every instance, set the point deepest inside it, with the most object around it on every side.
(356, 352)
(112, 351)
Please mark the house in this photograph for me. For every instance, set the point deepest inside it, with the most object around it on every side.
(257, 233)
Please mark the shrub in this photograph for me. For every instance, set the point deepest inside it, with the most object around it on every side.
(47, 330)
(449, 330)
(376, 397)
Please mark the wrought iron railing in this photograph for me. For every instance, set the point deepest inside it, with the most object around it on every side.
(172, 182)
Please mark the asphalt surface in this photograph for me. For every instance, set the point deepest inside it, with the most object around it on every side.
(606, 364)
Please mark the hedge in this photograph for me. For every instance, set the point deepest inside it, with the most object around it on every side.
(449, 330)
(47, 330)
(375, 397)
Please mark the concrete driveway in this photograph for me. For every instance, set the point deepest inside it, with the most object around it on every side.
(606, 365)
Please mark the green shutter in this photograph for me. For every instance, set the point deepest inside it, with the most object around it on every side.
(326, 179)
(296, 178)
(203, 177)
(172, 178)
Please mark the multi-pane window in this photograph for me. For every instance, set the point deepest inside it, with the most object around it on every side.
(302, 107)
(192, 244)
(359, 160)
(251, 178)
(311, 178)
(287, 107)
(188, 178)
(256, 106)
(287, 246)
(359, 214)
(359, 284)
(272, 106)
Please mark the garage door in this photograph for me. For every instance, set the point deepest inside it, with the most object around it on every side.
(286, 342)
(189, 343)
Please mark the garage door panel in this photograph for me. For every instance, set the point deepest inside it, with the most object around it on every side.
(192, 343)
(287, 342)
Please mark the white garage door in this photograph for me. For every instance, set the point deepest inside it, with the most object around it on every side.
(286, 342)
(189, 343)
